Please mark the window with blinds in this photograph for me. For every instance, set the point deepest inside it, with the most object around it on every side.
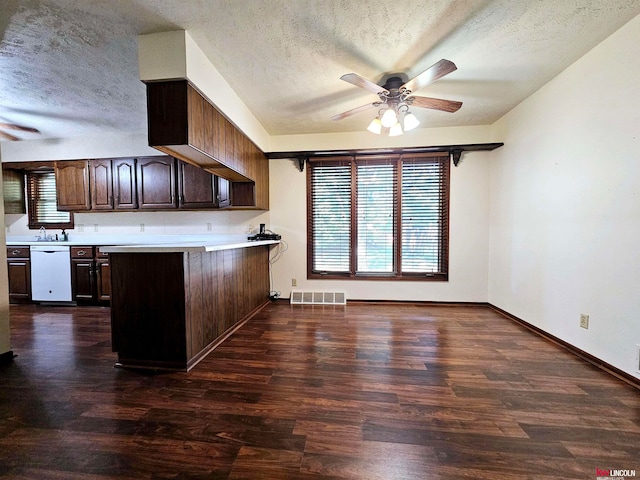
(331, 217)
(424, 217)
(379, 217)
(376, 207)
(41, 202)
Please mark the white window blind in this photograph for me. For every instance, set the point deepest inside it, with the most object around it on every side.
(376, 200)
(41, 201)
(423, 217)
(331, 217)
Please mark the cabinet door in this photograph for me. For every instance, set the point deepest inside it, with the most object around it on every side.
(156, 178)
(223, 192)
(230, 145)
(103, 271)
(124, 184)
(196, 186)
(13, 191)
(219, 136)
(19, 280)
(72, 185)
(101, 184)
(196, 122)
(82, 279)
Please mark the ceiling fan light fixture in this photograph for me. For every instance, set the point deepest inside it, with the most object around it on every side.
(375, 126)
(410, 121)
(395, 130)
(389, 118)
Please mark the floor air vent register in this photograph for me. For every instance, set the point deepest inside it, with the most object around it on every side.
(312, 297)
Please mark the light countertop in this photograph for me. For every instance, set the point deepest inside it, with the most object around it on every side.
(150, 243)
(184, 247)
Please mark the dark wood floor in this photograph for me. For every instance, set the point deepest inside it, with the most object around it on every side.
(314, 393)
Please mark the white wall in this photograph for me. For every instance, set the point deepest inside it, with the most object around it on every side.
(420, 137)
(469, 216)
(98, 146)
(565, 204)
(174, 55)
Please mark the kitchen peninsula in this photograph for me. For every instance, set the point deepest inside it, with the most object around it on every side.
(173, 303)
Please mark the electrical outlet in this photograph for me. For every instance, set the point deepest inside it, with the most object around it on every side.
(638, 358)
(142, 227)
(584, 320)
(294, 282)
(208, 227)
(80, 228)
(95, 227)
(250, 228)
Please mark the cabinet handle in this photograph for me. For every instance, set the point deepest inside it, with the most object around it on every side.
(81, 253)
(15, 252)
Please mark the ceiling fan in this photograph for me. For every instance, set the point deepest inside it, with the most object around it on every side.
(13, 126)
(396, 97)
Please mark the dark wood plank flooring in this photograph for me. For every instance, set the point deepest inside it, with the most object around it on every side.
(314, 393)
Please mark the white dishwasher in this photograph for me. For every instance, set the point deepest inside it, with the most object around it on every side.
(50, 273)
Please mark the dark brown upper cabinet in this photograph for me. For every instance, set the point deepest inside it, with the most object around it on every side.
(197, 187)
(183, 123)
(113, 184)
(177, 121)
(156, 183)
(101, 184)
(72, 185)
(124, 184)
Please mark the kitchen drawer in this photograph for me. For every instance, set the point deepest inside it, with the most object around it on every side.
(82, 252)
(100, 253)
(17, 252)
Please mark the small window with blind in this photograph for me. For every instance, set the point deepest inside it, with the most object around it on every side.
(41, 202)
(372, 217)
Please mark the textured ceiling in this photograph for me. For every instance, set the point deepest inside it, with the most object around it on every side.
(69, 67)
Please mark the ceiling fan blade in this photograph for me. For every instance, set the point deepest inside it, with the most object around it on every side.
(362, 82)
(430, 75)
(435, 103)
(353, 111)
(8, 136)
(13, 126)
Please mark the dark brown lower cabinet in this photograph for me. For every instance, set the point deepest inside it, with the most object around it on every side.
(90, 275)
(83, 285)
(19, 268)
(103, 276)
(169, 310)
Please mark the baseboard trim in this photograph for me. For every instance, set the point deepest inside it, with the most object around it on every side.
(6, 357)
(595, 361)
(431, 303)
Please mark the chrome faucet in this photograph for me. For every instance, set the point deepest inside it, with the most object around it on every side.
(43, 234)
